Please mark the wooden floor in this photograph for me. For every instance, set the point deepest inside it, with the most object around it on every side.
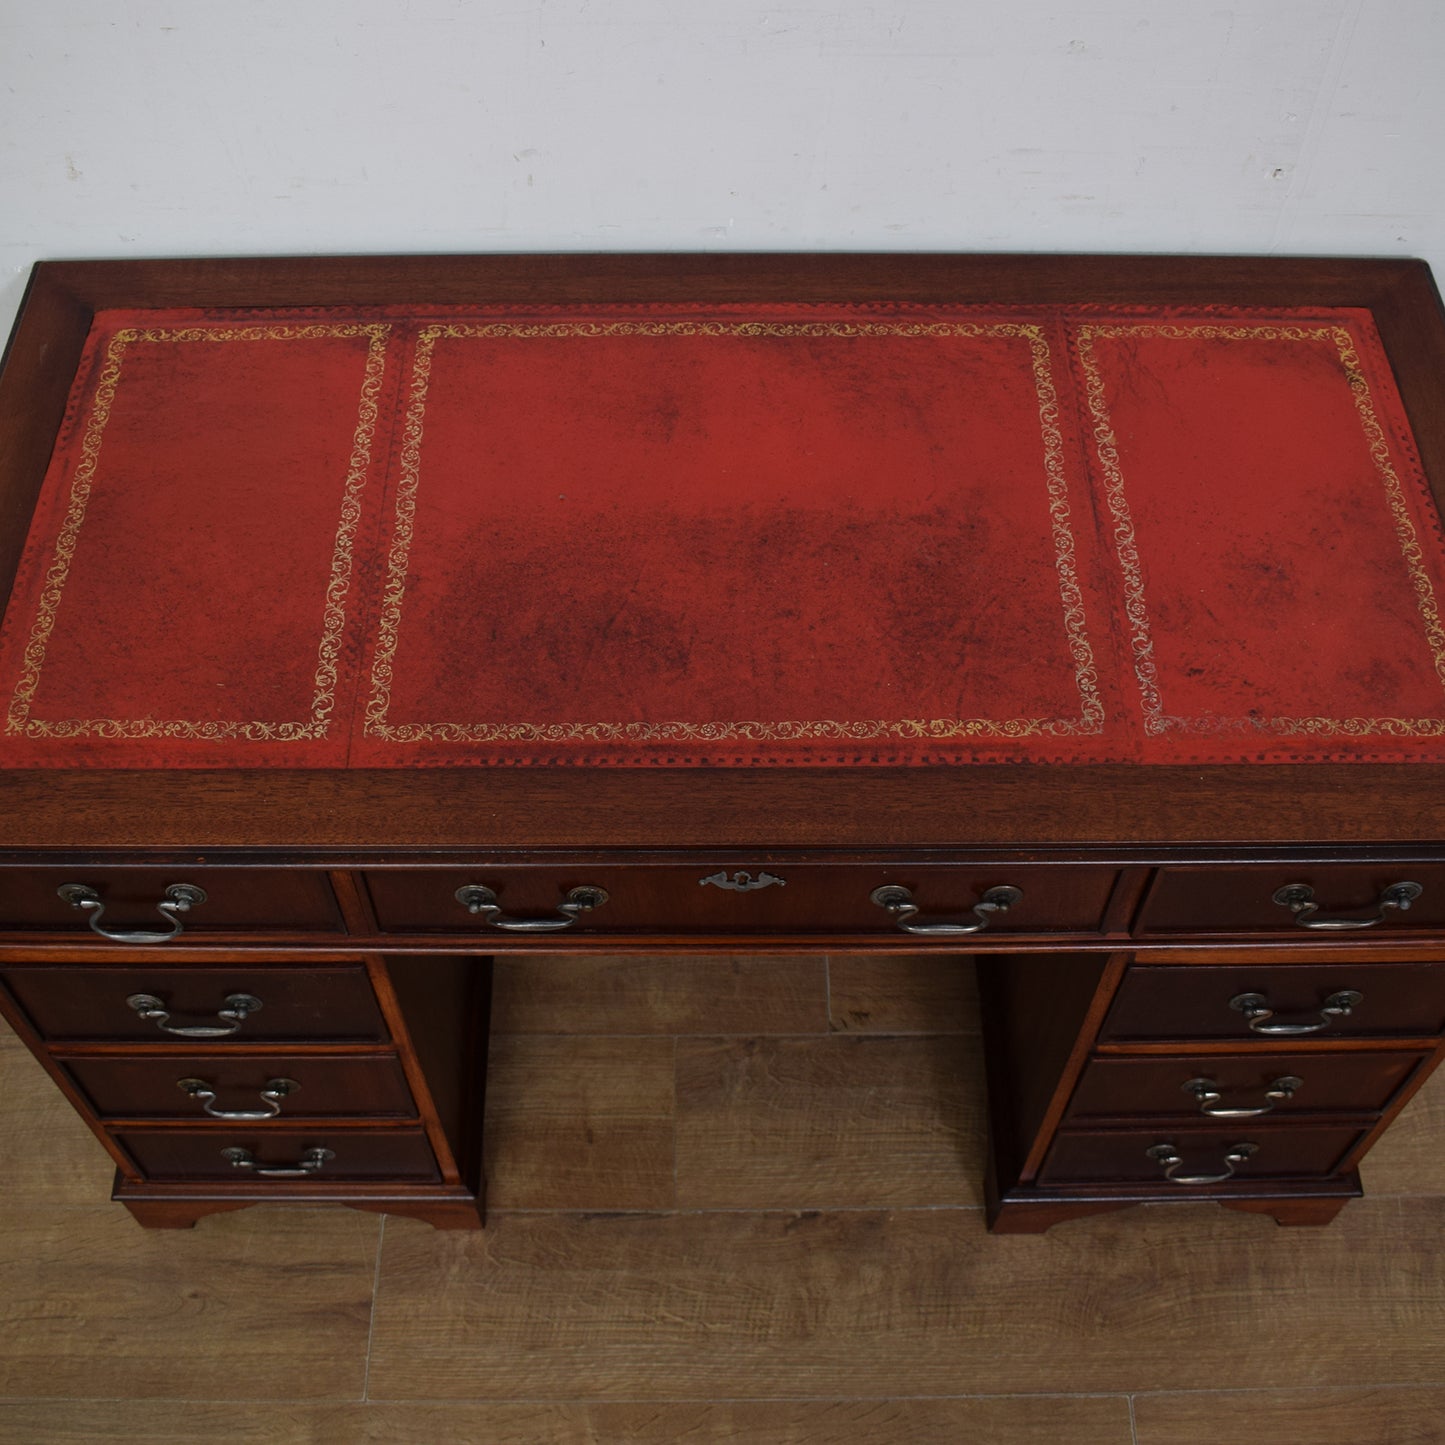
(732, 1201)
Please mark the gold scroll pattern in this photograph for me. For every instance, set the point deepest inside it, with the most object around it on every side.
(377, 717)
(333, 612)
(1156, 719)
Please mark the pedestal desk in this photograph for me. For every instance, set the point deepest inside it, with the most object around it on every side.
(1076, 616)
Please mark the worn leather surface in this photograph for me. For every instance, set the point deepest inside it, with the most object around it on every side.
(728, 537)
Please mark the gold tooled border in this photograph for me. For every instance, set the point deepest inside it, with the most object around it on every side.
(1156, 720)
(377, 718)
(338, 583)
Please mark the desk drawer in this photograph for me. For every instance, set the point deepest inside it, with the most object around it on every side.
(1138, 1156)
(354, 1154)
(1281, 1084)
(284, 900)
(150, 1087)
(300, 1002)
(709, 898)
(1229, 900)
(1206, 1001)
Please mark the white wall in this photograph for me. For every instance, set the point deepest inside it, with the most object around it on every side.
(167, 127)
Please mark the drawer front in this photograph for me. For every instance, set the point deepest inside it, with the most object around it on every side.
(1197, 1001)
(1230, 900)
(355, 1154)
(1191, 1087)
(177, 1086)
(1297, 1151)
(286, 900)
(301, 1002)
(776, 898)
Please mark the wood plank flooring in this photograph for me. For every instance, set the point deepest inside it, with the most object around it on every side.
(733, 1200)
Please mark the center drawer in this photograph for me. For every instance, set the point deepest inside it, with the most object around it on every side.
(953, 899)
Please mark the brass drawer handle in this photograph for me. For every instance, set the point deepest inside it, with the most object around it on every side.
(1168, 1157)
(238, 1008)
(476, 898)
(1299, 898)
(312, 1161)
(1209, 1097)
(179, 898)
(205, 1095)
(899, 902)
(1257, 1012)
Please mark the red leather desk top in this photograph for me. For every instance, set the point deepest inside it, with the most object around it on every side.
(728, 537)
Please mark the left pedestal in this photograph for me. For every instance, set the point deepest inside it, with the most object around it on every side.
(219, 1082)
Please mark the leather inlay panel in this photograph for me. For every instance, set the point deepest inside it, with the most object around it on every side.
(862, 534)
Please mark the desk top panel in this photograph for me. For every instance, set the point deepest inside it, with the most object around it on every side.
(728, 536)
